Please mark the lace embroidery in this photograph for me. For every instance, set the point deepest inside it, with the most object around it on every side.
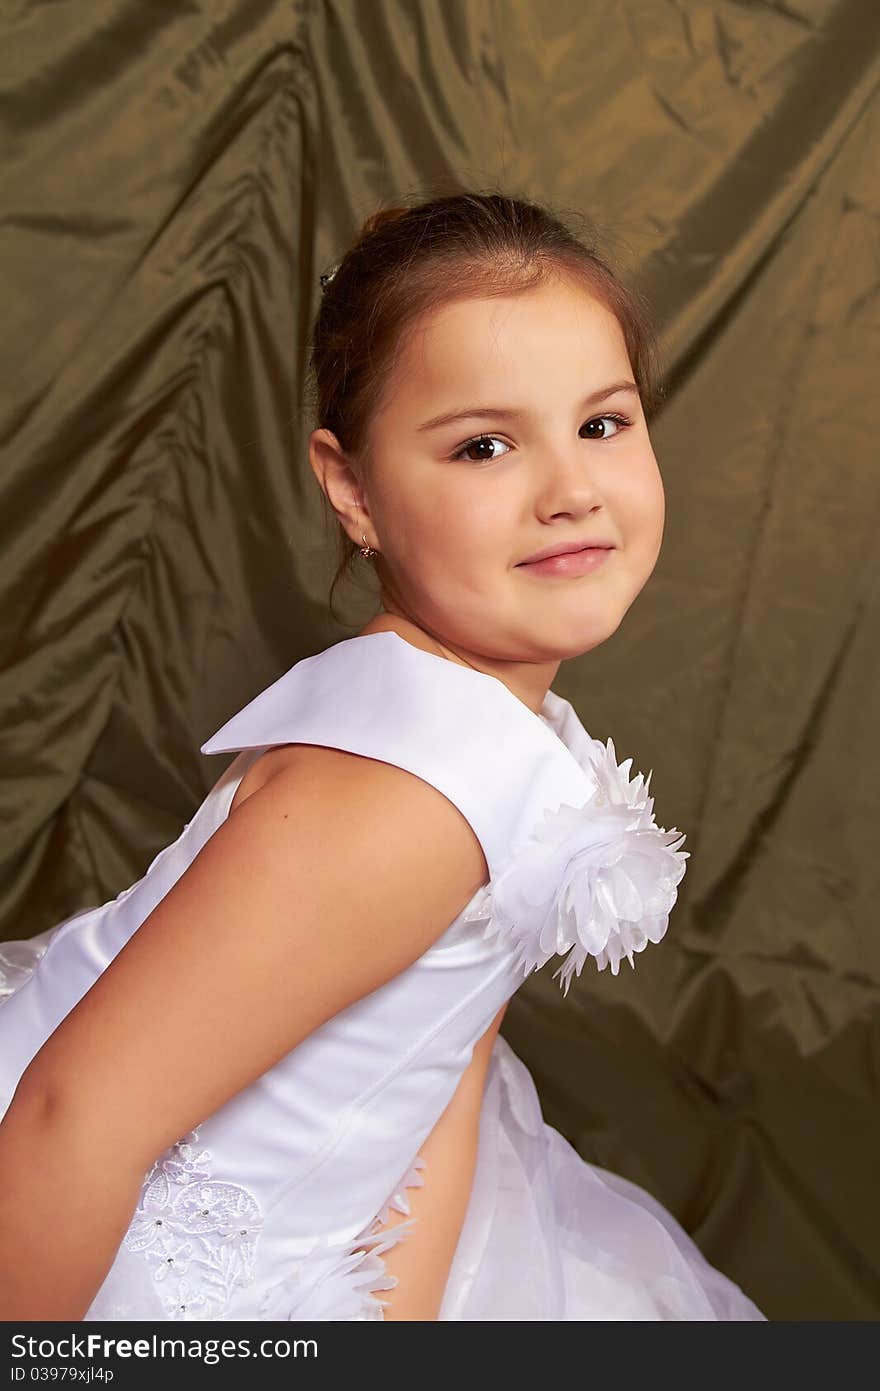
(198, 1235)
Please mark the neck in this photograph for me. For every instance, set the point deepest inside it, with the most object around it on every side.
(528, 681)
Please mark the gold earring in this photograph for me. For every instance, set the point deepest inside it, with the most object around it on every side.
(366, 549)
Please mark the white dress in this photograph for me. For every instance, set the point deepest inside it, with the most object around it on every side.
(273, 1207)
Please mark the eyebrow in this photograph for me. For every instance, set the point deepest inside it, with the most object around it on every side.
(510, 413)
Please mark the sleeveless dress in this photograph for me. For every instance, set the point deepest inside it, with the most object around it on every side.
(275, 1205)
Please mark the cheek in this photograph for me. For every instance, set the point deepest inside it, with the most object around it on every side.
(426, 528)
(659, 497)
(647, 517)
(456, 521)
(642, 496)
(401, 507)
(655, 497)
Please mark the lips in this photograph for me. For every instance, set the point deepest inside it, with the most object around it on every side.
(571, 563)
(568, 550)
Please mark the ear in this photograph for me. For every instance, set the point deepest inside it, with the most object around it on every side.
(341, 485)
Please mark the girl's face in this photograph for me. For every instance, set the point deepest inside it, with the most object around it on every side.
(542, 455)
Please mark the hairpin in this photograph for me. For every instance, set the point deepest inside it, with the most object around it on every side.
(328, 276)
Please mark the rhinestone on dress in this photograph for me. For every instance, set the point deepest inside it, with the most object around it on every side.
(189, 1246)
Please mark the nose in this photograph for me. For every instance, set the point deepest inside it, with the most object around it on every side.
(566, 482)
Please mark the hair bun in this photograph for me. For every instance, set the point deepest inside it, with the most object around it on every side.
(380, 218)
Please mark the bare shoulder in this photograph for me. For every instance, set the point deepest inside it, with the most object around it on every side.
(273, 761)
(361, 800)
(302, 764)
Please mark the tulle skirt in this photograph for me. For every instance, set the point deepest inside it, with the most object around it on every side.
(548, 1235)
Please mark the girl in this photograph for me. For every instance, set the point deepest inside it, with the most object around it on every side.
(228, 1087)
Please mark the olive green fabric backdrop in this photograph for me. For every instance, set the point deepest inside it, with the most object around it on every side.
(176, 177)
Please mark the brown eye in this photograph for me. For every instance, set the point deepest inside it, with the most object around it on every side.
(619, 421)
(480, 443)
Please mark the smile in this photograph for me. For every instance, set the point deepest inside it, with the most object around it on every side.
(572, 563)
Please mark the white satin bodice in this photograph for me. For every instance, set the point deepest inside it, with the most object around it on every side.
(309, 1152)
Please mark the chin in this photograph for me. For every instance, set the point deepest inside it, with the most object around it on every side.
(581, 638)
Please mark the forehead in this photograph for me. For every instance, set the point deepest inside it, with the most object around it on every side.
(505, 349)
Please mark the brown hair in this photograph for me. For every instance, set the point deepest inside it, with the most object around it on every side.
(409, 259)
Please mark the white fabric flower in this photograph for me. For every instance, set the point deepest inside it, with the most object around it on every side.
(598, 880)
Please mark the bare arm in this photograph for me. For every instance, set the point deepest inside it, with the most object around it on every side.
(421, 1262)
(325, 883)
